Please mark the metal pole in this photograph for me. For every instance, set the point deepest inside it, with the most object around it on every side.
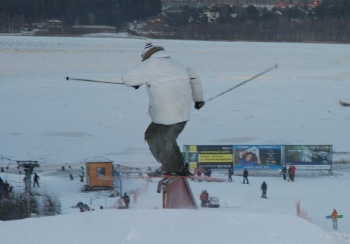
(96, 81)
(243, 82)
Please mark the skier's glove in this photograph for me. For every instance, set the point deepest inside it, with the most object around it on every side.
(136, 87)
(199, 105)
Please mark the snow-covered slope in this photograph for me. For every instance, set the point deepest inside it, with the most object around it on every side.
(59, 122)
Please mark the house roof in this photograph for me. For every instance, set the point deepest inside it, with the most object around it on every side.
(97, 159)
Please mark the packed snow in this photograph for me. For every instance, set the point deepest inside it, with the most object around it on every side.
(44, 117)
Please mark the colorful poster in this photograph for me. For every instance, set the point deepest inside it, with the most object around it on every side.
(308, 156)
(257, 156)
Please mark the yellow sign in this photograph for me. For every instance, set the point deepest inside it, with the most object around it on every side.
(213, 158)
(193, 149)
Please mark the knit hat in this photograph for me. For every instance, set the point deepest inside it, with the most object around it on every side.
(148, 46)
(149, 49)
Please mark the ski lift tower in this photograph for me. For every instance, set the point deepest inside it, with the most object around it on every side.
(28, 167)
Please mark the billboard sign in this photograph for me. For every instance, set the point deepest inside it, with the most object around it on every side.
(308, 156)
(211, 156)
(257, 156)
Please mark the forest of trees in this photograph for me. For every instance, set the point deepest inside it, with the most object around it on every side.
(327, 22)
(72, 12)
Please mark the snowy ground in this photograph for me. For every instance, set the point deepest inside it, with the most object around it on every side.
(243, 216)
(59, 122)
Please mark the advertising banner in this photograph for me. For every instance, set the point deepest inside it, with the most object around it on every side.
(212, 156)
(308, 156)
(257, 156)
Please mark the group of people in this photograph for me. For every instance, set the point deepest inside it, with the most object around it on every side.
(288, 173)
(263, 187)
(205, 171)
(81, 174)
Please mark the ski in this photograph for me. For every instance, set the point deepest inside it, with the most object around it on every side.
(243, 82)
(330, 216)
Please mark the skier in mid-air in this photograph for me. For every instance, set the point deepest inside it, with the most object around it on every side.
(171, 88)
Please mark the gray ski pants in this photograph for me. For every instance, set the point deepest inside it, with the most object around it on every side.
(162, 143)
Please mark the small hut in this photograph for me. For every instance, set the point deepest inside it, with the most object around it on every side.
(99, 174)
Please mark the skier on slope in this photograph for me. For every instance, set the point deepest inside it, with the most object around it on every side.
(263, 188)
(171, 88)
(126, 199)
(335, 219)
(245, 176)
(230, 173)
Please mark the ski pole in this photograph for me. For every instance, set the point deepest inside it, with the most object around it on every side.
(243, 82)
(97, 81)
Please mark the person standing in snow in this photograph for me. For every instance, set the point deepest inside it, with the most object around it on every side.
(245, 176)
(291, 172)
(263, 189)
(230, 173)
(335, 219)
(82, 173)
(204, 197)
(284, 172)
(171, 88)
(36, 180)
(126, 199)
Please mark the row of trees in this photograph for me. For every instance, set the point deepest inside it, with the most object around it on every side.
(315, 31)
(83, 12)
(330, 21)
(20, 206)
(327, 22)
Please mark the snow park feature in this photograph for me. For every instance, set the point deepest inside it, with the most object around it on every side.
(62, 123)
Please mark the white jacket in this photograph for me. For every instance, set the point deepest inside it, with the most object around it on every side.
(171, 87)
